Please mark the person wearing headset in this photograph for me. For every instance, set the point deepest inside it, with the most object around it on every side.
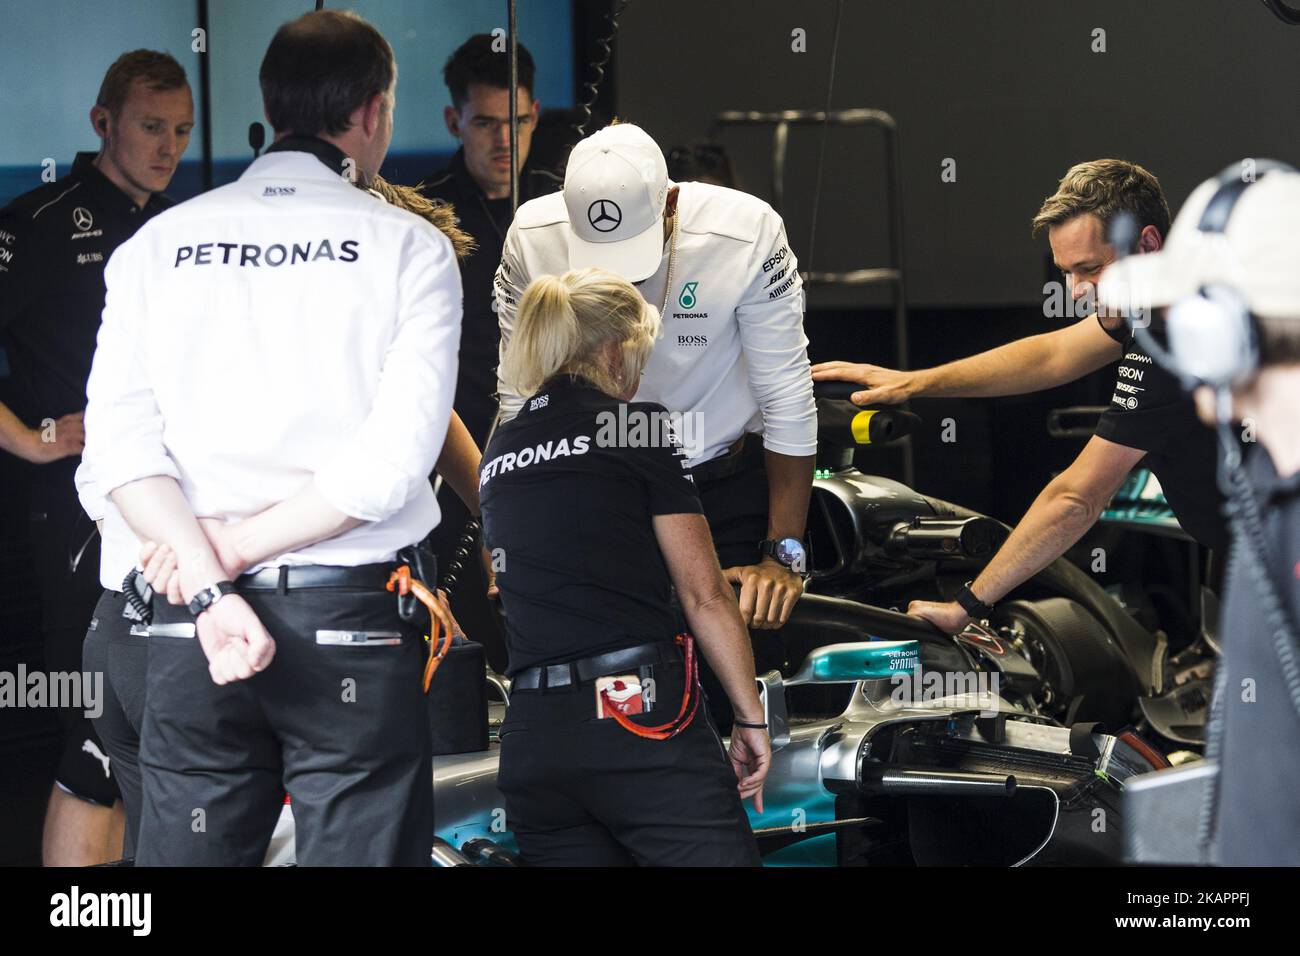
(1149, 418)
(1230, 280)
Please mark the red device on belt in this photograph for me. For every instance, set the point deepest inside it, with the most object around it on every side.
(685, 714)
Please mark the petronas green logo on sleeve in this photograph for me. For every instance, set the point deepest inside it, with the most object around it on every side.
(687, 299)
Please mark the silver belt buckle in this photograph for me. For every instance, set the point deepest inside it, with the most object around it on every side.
(358, 638)
(162, 630)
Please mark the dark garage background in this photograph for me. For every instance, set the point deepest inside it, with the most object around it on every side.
(1010, 89)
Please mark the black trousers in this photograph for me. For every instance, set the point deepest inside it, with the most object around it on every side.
(585, 792)
(342, 729)
(65, 553)
(110, 649)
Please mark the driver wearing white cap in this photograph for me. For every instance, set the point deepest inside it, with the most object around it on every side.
(733, 357)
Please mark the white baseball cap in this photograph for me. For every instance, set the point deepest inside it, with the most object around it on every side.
(1257, 252)
(615, 188)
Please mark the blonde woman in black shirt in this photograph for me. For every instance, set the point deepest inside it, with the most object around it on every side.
(607, 754)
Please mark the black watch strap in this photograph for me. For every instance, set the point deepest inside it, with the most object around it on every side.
(972, 605)
(209, 596)
(767, 548)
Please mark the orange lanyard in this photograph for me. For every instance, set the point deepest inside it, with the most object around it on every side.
(685, 714)
(401, 581)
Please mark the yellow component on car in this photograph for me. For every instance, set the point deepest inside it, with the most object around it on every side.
(861, 426)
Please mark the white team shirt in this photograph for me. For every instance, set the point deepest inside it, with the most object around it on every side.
(284, 329)
(733, 350)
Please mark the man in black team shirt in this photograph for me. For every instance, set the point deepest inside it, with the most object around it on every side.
(54, 244)
(477, 184)
(1149, 417)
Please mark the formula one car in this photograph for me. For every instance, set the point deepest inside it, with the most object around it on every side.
(894, 744)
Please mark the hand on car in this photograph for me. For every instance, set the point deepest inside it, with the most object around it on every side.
(768, 592)
(751, 758)
(948, 617)
(885, 386)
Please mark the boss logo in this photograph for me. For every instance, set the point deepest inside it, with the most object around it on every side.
(279, 190)
(541, 401)
(692, 341)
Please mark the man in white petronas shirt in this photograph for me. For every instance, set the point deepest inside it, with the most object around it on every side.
(733, 358)
(278, 357)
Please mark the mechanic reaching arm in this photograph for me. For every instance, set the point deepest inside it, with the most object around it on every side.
(1060, 515)
(1031, 364)
(1149, 418)
(732, 362)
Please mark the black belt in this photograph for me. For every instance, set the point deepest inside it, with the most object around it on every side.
(745, 452)
(550, 676)
(288, 577)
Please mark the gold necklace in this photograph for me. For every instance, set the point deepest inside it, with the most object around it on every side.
(668, 280)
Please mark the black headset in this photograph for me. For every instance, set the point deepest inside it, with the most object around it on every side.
(1213, 337)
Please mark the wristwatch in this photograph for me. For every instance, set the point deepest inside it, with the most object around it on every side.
(208, 596)
(790, 553)
(972, 605)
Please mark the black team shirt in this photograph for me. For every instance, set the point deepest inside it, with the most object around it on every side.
(568, 507)
(54, 244)
(487, 220)
(1150, 412)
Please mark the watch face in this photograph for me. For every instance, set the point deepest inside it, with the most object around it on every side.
(792, 553)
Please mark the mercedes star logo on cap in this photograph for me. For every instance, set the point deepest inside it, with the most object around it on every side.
(82, 219)
(604, 215)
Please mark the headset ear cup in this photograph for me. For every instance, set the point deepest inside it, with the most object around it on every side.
(1241, 336)
(1212, 336)
(1250, 359)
